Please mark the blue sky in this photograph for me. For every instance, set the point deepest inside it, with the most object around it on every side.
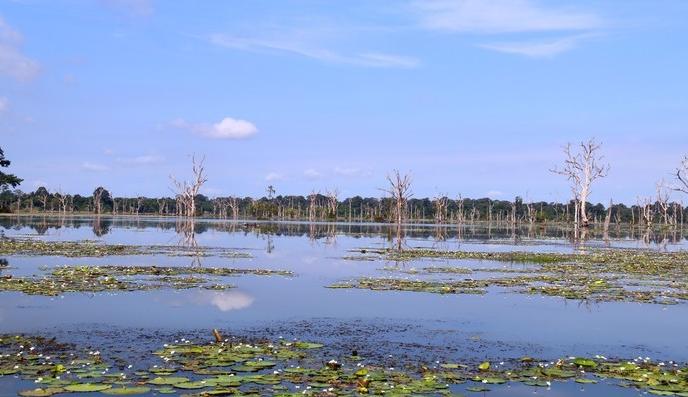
(472, 97)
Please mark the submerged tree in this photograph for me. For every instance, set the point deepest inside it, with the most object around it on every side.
(581, 169)
(681, 175)
(186, 192)
(100, 196)
(400, 192)
(7, 180)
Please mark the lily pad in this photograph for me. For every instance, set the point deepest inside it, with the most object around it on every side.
(168, 380)
(127, 391)
(87, 387)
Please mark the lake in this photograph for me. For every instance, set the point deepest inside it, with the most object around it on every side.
(500, 325)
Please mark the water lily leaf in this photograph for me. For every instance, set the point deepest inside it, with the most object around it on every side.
(169, 380)
(126, 391)
(484, 366)
(585, 362)
(450, 366)
(494, 381)
(191, 385)
(586, 381)
(477, 389)
(41, 392)
(87, 387)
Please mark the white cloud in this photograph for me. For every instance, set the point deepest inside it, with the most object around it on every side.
(88, 166)
(141, 160)
(351, 171)
(12, 62)
(501, 16)
(4, 104)
(274, 176)
(227, 128)
(536, 49)
(494, 193)
(302, 48)
(312, 174)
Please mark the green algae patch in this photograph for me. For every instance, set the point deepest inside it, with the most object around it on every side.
(86, 248)
(602, 275)
(65, 279)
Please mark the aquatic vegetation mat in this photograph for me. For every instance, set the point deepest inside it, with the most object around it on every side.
(598, 275)
(17, 246)
(65, 279)
(290, 368)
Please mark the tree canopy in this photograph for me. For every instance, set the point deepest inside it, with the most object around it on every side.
(7, 180)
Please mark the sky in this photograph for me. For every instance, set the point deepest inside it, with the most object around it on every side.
(471, 97)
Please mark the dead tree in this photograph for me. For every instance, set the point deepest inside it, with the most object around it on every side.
(400, 192)
(663, 196)
(186, 192)
(647, 211)
(532, 213)
(581, 169)
(332, 201)
(98, 200)
(461, 215)
(440, 208)
(313, 205)
(608, 216)
(682, 176)
(233, 204)
(63, 199)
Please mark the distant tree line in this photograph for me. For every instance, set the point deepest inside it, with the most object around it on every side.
(581, 168)
(321, 207)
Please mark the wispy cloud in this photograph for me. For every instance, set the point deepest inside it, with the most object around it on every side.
(511, 19)
(303, 47)
(537, 49)
(312, 174)
(351, 172)
(13, 62)
(501, 16)
(274, 176)
(227, 128)
(94, 167)
(147, 159)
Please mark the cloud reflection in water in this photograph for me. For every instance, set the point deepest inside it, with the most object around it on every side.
(225, 300)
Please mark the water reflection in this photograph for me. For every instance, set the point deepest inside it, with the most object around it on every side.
(189, 230)
(224, 300)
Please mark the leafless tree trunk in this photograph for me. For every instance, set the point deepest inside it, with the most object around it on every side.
(332, 201)
(582, 169)
(682, 176)
(608, 217)
(234, 205)
(440, 208)
(312, 205)
(400, 192)
(663, 196)
(532, 214)
(187, 192)
(98, 200)
(63, 199)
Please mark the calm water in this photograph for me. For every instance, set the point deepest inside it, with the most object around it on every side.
(495, 326)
